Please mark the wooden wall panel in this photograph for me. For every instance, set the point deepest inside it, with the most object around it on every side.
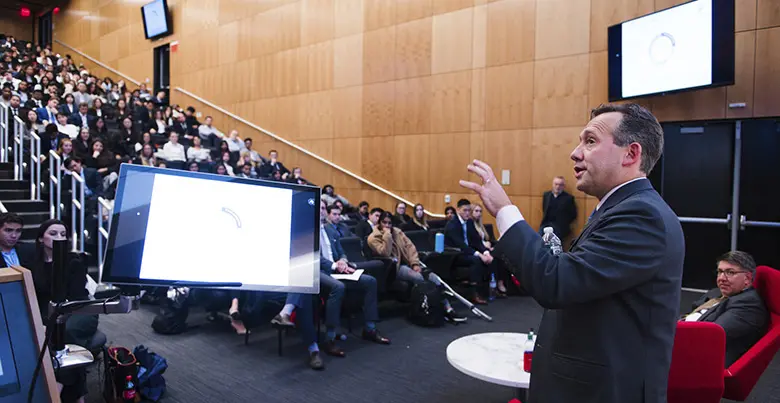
(408, 92)
(11, 24)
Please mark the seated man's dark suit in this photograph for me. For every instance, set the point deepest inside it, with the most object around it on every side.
(363, 229)
(468, 244)
(743, 316)
(26, 254)
(559, 212)
(611, 302)
(336, 289)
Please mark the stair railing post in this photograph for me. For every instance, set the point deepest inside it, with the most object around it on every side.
(55, 185)
(3, 134)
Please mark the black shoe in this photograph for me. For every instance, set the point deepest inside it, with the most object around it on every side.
(332, 349)
(454, 318)
(282, 320)
(374, 336)
(315, 361)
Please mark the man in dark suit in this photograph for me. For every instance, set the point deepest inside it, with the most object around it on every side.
(364, 228)
(273, 165)
(559, 209)
(735, 305)
(82, 118)
(14, 253)
(612, 301)
(49, 113)
(92, 179)
(461, 233)
(334, 260)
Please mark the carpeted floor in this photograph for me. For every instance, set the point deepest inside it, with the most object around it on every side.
(211, 364)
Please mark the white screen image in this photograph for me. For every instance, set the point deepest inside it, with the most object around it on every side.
(669, 50)
(154, 14)
(220, 234)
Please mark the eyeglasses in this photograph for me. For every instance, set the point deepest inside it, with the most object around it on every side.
(728, 273)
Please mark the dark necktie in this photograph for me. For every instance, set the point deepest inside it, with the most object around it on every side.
(16, 112)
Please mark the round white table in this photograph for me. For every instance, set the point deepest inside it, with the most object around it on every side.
(492, 357)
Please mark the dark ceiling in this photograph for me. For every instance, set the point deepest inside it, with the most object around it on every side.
(34, 5)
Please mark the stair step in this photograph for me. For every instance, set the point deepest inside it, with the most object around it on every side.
(7, 174)
(34, 217)
(8, 184)
(14, 194)
(6, 165)
(26, 206)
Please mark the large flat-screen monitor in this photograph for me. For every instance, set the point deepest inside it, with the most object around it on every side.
(157, 19)
(171, 227)
(686, 47)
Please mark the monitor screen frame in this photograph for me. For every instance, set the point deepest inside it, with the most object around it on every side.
(168, 21)
(723, 52)
(125, 169)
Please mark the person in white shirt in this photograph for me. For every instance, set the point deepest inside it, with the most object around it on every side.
(209, 133)
(197, 153)
(81, 96)
(225, 161)
(254, 155)
(235, 144)
(9, 78)
(172, 150)
(64, 127)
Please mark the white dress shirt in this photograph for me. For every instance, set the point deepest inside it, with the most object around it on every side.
(174, 152)
(509, 215)
(325, 250)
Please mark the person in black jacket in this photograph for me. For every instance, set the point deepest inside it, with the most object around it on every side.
(14, 253)
(735, 305)
(400, 218)
(461, 233)
(364, 228)
(559, 209)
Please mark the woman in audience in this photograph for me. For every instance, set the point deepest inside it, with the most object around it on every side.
(107, 84)
(220, 169)
(146, 157)
(100, 130)
(400, 218)
(146, 138)
(168, 116)
(104, 161)
(122, 111)
(197, 153)
(484, 235)
(82, 145)
(159, 124)
(193, 167)
(79, 329)
(97, 110)
(172, 150)
(65, 151)
(216, 155)
(226, 162)
(449, 212)
(32, 123)
(68, 108)
(419, 222)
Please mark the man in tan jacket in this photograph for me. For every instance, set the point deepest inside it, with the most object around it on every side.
(387, 241)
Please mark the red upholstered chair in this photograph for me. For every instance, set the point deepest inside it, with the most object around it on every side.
(698, 355)
(743, 374)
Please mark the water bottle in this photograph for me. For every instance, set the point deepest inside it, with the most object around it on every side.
(439, 247)
(528, 351)
(492, 287)
(552, 241)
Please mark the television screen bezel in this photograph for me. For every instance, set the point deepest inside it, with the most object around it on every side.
(168, 22)
(723, 52)
(125, 169)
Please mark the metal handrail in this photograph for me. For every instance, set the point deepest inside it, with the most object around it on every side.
(78, 235)
(3, 134)
(103, 206)
(35, 166)
(258, 128)
(18, 148)
(55, 185)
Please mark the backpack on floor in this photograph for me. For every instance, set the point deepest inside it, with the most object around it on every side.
(151, 383)
(426, 305)
(174, 311)
(119, 364)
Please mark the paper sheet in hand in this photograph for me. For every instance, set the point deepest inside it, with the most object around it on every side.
(351, 277)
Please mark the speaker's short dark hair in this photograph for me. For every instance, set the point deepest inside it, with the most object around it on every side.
(332, 207)
(463, 202)
(376, 210)
(638, 125)
(741, 259)
(10, 218)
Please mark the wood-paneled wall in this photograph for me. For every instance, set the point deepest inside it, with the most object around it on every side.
(11, 23)
(407, 92)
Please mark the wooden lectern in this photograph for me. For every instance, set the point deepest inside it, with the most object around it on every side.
(21, 339)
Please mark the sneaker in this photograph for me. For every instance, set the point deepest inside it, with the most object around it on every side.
(315, 361)
(454, 317)
(282, 320)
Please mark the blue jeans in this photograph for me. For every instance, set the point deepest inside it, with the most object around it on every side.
(335, 290)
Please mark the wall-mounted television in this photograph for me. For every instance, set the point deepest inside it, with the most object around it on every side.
(685, 47)
(157, 19)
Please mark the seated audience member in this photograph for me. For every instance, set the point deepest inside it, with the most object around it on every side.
(225, 161)
(400, 218)
(14, 254)
(146, 157)
(160, 100)
(193, 167)
(329, 196)
(182, 129)
(276, 176)
(82, 145)
(197, 153)
(216, 155)
(65, 149)
(31, 122)
(220, 169)
(208, 133)
(92, 180)
(235, 144)
(79, 329)
(158, 124)
(127, 136)
(419, 222)
(192, 121)
(364, 228)
(460, 233)
(334, 260)
(484, 235)
(82, 118)
(172, 150)
(334, 221)
(247, 172)
(146, 138)
(50, 140)
(98, 110)
(122, 110)
(362, 211)
(296, 177)
(68, 107)
(100, 130)
(256, 157)
(735, 305)
(388, 241)
(64, 127)
(104, 162)
(245, 159)
(449, 213)
(273, 164)
(49, 113)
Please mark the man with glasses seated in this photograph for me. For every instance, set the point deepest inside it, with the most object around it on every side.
(735, 305)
